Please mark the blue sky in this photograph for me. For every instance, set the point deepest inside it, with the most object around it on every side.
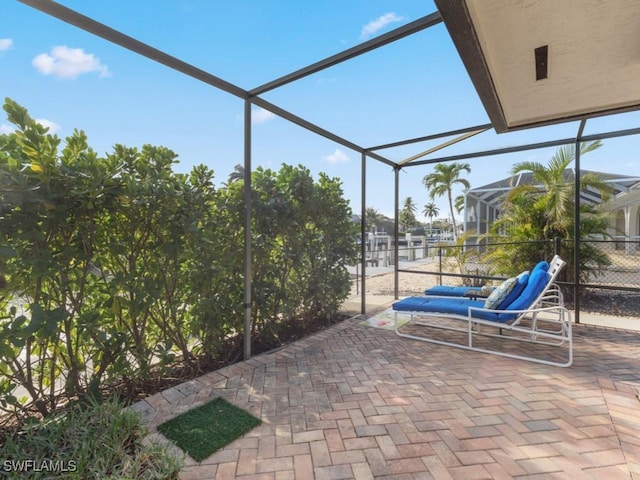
(69, 79)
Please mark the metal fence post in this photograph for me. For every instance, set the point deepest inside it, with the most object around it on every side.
(556, 245)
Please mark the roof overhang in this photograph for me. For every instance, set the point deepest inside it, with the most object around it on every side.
(538, 62)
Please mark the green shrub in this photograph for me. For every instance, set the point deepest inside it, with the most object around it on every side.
(120, 270)
(95, 441)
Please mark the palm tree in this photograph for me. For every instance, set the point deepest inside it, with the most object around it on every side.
(441, 182)
(458, 203)
(430, 210)
(373, 218)
(237, 174)
(558, 193)
(407, 215)
(532, 215)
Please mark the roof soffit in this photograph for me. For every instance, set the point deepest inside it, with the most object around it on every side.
(593, 60)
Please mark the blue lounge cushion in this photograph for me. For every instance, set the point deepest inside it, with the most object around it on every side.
(542, 265)
(454, 305)
(523, 280)
(449, 291)
(536, 284)
(527, 287)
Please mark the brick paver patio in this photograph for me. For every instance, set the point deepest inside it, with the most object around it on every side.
(354, 402)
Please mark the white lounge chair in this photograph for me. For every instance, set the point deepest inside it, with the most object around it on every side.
(529, 308)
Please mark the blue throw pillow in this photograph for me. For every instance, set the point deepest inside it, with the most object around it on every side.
(500, 293)
(522, 280)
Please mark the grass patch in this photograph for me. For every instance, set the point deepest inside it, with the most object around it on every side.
(205, 429)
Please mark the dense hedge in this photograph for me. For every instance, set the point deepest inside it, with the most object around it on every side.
(118, 267)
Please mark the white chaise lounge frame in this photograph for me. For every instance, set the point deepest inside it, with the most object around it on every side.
(546, 322)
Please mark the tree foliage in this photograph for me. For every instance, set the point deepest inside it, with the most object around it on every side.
(535, 214)
(376, 221)
(407, 217)
(119, 268)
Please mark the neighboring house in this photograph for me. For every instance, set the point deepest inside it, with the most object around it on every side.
(625, 216)
(483, 204)
(385, 225)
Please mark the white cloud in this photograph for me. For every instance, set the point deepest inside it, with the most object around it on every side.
(5, 44)
(53, 126)
(260, 115)
(378, 24)
(336, 157)
(65, 62)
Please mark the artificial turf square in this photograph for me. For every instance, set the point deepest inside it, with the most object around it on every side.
(205, 429)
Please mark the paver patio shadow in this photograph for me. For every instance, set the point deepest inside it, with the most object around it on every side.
(357, 402)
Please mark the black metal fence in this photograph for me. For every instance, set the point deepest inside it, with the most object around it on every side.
(612, 288)
(622, 272)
